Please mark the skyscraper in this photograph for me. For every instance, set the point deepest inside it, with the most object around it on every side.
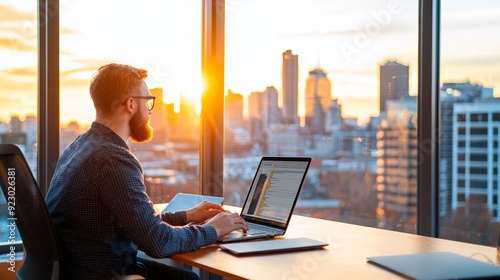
(233, 110)
(272, 113)
(318, 98)
(290, 87)
(393, 83)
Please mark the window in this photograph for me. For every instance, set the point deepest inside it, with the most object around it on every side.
(163, 37)
(478, 157)
(479, 117)
(477, 170)
(321, 81)
(478, 131)
(18, 80)
(461, 118)
(478, 144)
(468, 89)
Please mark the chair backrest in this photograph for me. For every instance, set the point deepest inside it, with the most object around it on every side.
(29, 212)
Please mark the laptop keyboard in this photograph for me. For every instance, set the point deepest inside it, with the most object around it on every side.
(259, 229)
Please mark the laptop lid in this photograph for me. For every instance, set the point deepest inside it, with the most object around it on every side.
(274, 191)
(273, 246)
(437, 265)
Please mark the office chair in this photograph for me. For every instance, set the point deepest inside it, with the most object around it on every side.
(42, 258)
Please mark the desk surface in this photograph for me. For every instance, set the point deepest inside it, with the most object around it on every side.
(344, 258)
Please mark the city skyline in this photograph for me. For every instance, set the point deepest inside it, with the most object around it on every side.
(325, 34)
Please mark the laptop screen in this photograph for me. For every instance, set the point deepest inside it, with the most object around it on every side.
(275, 190)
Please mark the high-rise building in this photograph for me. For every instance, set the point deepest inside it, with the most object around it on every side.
(189, 121)
(233, 110)
(452, 94)
(475, 164)
(272, 113)
(318, 99)
(255, 108)
(255, 104)
(397, 164)
(264, 107)
(263, 114)
(393, 83)
(237, 138)
(290, 87)
(159, 118)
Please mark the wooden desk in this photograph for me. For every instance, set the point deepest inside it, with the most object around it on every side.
(345, 258)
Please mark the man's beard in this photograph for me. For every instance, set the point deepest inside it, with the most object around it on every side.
(140, 129)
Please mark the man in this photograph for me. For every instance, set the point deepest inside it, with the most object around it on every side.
(97, 197)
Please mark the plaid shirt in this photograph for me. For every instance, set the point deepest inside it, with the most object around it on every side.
(102, 214)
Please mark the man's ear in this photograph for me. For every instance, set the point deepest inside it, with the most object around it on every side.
(130, 105)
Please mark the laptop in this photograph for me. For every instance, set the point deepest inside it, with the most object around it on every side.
(184, 201)
(272, 246)
(437, 265)
(271, 198)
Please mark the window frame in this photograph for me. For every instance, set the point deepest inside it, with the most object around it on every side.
(428, 118)
(48, 138)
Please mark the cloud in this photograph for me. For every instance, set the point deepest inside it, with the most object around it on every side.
(21, 72)
(18, 44)
(19, 29)
(391, 29)
(9, 13)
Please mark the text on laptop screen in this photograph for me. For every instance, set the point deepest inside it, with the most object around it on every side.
(274, 190)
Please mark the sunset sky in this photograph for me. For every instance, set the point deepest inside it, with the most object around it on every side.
(348, 39)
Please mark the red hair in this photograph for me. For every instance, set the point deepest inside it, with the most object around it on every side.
(113, 84)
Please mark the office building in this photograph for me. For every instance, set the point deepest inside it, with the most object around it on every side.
(255, 108)
(452, 94)
(285, 140)
(236, 136)
(317, 99)
(468, 89)
(393, 83)
(271, 113)
(290, 88)
(263, 114)
(160, 126)
(188, 119)
(233, 110)
(397, 164)
(475, 166)
(263, 106)
(333, 120)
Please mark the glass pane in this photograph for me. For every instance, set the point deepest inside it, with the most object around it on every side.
(470, 110)
(162, 37)
(18, 97)
(335, 80)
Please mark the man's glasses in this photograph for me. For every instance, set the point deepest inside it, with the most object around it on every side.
(150, 102)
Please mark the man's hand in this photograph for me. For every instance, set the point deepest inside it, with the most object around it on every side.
(227, 222)
(203, 211)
